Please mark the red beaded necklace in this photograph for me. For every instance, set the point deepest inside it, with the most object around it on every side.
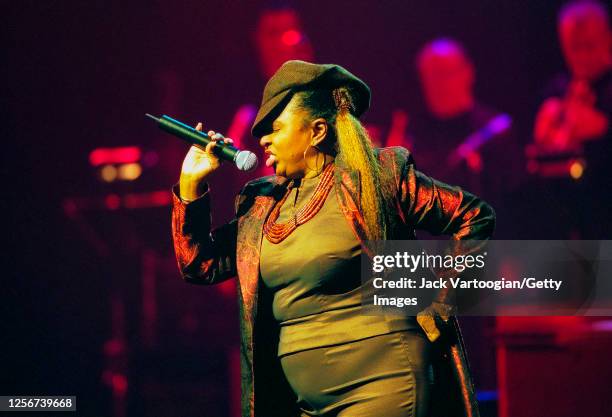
(277, 232)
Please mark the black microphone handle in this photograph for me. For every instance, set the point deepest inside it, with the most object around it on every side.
(244, 160)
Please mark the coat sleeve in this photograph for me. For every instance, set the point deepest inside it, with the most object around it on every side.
(442, 209)
(204, 256)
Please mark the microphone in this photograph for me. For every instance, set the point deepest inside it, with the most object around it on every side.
(244, 160)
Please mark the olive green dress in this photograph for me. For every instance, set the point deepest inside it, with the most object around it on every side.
(340, 357)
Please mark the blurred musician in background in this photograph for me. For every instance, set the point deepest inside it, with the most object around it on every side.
(579, 102)
(458, 138)
(473, 140)
(572, 138)
(278, 37)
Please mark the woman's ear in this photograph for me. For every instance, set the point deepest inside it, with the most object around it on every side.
(319, 131)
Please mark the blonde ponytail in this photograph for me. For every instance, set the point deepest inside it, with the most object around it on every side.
(353, 149)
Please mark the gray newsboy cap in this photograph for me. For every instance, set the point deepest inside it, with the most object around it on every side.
(297, 75)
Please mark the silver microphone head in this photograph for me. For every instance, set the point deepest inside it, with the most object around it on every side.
(246, 161)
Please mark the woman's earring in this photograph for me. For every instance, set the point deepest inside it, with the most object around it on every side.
(317, 169)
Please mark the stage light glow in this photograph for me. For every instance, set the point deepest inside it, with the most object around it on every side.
(130, 172)
(291, 37)
(108, 173)
(119, 383)
(121, 155)
(160, 198)
(576, 170)
(112, 201)
(152, 199)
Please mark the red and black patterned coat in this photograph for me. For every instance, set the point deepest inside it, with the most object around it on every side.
(208, 256)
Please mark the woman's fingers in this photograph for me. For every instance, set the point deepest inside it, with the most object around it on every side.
(220, 137)
(215, 137)
(210, 146)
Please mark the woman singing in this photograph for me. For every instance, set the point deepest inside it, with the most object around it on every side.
(307, 348)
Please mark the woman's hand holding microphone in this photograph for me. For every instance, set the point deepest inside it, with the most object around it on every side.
(198, 165)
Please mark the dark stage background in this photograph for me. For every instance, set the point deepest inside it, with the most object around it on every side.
(81, 75)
